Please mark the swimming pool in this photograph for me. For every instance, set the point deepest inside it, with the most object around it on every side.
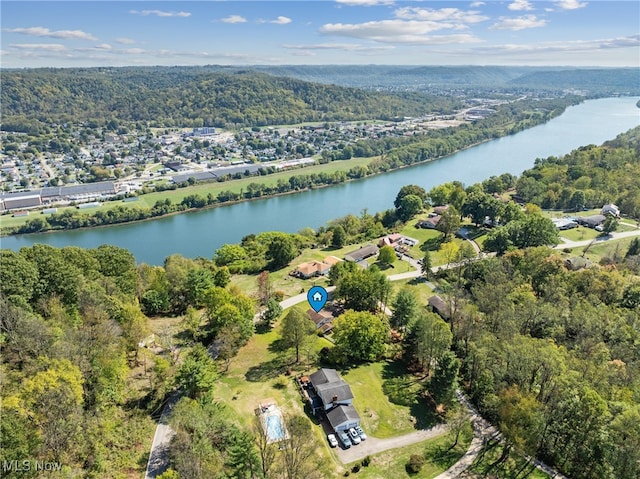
(273, 424)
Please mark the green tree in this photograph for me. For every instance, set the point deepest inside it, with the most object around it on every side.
(297, 330)
(410, 190)
(611, 224)
(405, 309)
(362, 289)
(298, 453)
(197, 374)
(444, 381)
(273, 312)
(410, 206)
(360, 336)
(281, 251)
(449, 222)
(338, 237)
(426, 265)
(387, 255)
(429, 338)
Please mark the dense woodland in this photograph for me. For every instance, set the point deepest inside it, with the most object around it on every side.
(165, 97)
(590, 177)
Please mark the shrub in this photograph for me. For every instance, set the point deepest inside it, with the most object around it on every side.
(355, 468)
(366, 461)
(415, 464)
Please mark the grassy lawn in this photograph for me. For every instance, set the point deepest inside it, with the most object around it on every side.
(608, 249)
(419, 288)
(508, 470)
(579, 234)
(379, 415)
(391, 464)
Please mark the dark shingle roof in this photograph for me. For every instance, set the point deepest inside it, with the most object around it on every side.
(340, 414)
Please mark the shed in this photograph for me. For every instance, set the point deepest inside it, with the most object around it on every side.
(440, 306)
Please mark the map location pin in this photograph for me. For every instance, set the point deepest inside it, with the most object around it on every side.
(317, 297)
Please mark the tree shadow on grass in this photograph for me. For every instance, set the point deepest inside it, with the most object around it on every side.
(405, 389)
(267, 370)
(278, 346)
(432, 244)
(442, 455)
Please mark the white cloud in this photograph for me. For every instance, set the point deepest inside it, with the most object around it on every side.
(519, 23)
(234, 19)
(278, 21)
(125, 41)
(350, 47)
(365, 3)
(412, 25)
(576, 46)
(477, 4)
(49, 47)
(518, 5)
(570, 4)
(442, 14)
(159, 13)
(45, 32)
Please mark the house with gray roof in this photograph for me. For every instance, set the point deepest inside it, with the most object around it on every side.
(361, 254)
(331, 388)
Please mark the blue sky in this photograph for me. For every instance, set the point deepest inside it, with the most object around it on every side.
(516, 32)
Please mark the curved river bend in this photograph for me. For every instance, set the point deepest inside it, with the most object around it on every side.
(199, 233)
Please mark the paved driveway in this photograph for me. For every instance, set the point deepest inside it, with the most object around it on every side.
(374, 445)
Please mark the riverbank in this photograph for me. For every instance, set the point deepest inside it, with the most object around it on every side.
(201, 232)
(235, 186)
(402, 154)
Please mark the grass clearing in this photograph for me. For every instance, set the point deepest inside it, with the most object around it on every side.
(421, 290)
(378, 414)
(392, 464)
(510, 469)
(608, 249)
(579, 234)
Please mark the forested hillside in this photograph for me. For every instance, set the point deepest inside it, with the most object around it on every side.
(552, 357)
(182, 96)
(590, 177)
(489, 79)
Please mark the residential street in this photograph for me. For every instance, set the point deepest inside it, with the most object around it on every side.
(600, 239)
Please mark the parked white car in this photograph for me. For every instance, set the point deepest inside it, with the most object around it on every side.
(354, 436)
(361, 433)
(333, 442)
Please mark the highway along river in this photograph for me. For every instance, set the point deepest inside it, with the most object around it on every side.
(199, 233)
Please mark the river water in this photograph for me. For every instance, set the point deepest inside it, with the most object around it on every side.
(199, 233)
